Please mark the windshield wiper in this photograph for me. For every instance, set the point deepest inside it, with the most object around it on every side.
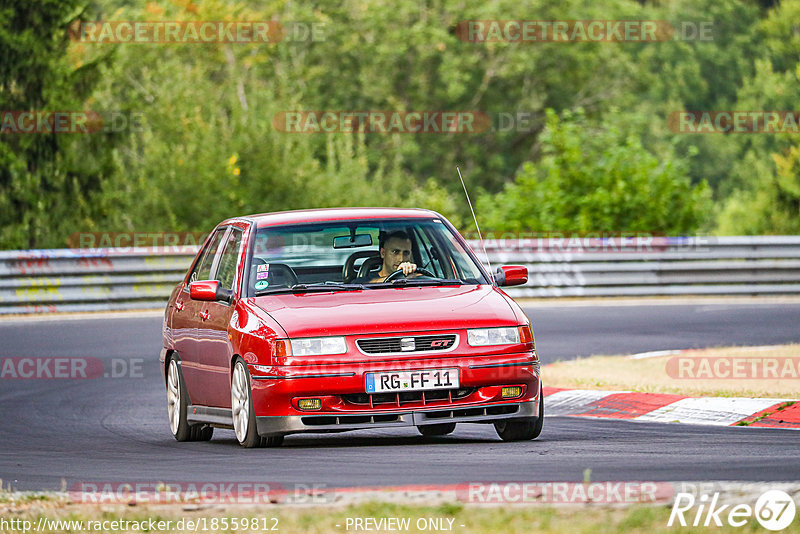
(308, 288)
(327, 286)
(406, 282)
(427, 282)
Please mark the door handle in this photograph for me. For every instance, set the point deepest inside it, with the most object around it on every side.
(179, 305)
(204, 315)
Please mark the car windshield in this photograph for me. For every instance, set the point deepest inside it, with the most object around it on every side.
(348, 255)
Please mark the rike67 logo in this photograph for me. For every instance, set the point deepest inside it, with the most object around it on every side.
(774, 510)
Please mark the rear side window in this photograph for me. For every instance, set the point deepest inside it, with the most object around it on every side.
(226, 271)
(202, 270)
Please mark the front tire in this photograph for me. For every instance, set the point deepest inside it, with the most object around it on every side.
(522, 429)
(177, 403)
(244, 419)
(441, 429)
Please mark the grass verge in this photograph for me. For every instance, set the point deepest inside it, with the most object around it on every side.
(702, 372)
(450, 517)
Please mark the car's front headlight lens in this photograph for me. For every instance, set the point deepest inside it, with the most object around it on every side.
(317, 346)
(481, 337)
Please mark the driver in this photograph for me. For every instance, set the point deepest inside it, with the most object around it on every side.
(396, 255)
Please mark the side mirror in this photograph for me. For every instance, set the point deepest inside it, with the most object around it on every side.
(209, 290)
(511, 275)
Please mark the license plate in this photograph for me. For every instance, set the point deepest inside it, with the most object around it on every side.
(411, 380)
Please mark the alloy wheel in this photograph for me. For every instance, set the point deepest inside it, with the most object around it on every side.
(173, 397)
(240, 401)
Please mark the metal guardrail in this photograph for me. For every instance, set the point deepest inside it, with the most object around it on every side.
(653, 266)
(63, 280)
(67, 280)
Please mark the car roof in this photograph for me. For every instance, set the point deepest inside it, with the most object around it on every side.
(335, 214)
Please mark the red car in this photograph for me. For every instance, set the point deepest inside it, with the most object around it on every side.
(343, 319)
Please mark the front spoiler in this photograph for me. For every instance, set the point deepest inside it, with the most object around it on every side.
(292, 424)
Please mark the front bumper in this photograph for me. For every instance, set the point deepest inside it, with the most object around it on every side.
(272, 425)
(346, 406)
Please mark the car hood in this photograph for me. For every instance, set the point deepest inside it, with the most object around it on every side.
(406, 309)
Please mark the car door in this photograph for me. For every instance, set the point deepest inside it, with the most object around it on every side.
(186, 315)
(213, 344)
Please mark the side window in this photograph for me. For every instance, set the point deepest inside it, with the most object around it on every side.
(226, 271)
(202, 270)
(465, 269)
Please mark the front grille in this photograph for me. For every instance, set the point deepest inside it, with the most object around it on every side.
(505, 409)
(421, 398)
(326, 420)
(388, 345)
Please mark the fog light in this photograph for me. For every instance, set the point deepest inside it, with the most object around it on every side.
(309, 404)
(511, 392)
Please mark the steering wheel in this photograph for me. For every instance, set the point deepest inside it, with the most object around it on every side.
(349, 268)
(399, 272)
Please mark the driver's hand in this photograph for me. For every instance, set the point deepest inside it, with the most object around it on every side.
(407, 267)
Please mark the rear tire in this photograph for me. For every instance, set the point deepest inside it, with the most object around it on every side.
(441, 429)
(177, 404)
(522, 429)
(244, 419)
(202, 433)
(272, 441)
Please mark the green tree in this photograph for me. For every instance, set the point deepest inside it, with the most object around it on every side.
(209, 149)
(760, 195)
(772, 206)
(45, 183)
(595, 178)
(781, 38)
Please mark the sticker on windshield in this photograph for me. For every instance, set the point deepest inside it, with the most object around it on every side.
(264, 267)
(261, 284)
(262, 276)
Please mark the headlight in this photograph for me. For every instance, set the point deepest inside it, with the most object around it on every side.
(317, 346)
(480, 337)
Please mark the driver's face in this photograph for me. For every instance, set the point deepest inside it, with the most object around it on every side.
(394, 252)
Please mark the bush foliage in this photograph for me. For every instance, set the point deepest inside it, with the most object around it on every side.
(594, 155)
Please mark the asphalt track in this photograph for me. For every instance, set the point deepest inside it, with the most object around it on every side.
(115, 429)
